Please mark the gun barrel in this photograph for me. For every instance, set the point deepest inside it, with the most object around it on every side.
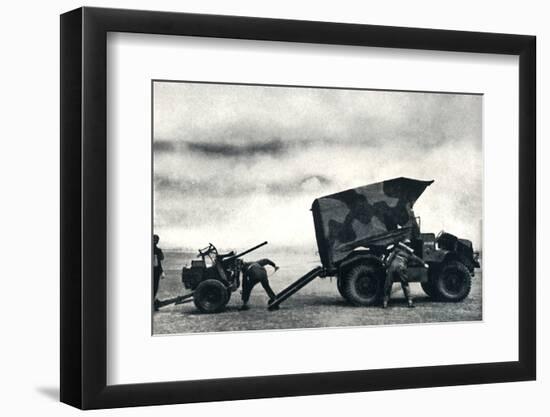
(238, 255)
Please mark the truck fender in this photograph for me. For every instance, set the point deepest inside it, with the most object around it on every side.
(360, 257)
(439, 257)
(436, 256)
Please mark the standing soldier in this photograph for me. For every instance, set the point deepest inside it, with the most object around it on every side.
(396, 264)
(253, 273)
(158, 257)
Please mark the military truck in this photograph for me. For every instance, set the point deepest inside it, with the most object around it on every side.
(354, 229)
(214, 277)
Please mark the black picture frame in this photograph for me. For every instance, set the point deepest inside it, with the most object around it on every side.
(84, 207)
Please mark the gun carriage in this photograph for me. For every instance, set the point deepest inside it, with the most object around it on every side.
(214, 277)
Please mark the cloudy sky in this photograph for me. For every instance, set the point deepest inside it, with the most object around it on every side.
(236, 165)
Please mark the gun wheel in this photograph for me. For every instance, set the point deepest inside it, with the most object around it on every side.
(362, 285)
(211, 296)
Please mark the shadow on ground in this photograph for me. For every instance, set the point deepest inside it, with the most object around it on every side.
(49, 392)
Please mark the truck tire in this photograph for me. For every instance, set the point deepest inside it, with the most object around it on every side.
(340, 286)
(211, 296)
(362, 285)
(453, 283)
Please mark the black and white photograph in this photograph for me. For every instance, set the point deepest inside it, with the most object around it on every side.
(299, 207)
(240, 208)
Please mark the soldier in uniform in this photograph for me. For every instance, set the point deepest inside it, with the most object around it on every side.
(158, 257)
(412, 223)
(396, 264)
(254, 273)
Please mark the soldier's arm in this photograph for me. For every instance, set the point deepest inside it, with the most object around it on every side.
(417, 260)
(265, 261)
(160, 254)
(390, 257)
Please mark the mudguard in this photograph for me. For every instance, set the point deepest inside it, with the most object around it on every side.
(358, 257)
(436, 256)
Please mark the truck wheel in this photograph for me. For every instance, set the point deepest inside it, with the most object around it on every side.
(429, 289)
(211, 296)
(453, 282)
(340, 286)
(362, 285)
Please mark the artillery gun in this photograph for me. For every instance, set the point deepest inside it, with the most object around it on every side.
(214, 277)
(354, 228)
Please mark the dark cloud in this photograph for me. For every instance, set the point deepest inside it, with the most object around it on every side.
(273, 147)
(224, 188)
(220, 148)
(207, 187)
(160, 145)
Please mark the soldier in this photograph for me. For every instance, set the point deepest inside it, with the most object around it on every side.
(412, 223)
(253, 273)
(396, 264)
(158, 257)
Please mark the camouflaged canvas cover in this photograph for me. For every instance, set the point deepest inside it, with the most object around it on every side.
(375, 214)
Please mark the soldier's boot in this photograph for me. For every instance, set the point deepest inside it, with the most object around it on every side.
(244, 307)
(385, 302)
(410, 303)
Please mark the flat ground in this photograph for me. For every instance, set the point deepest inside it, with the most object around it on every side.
(316, 305)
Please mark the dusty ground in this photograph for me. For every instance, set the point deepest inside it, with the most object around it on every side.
(316, 305)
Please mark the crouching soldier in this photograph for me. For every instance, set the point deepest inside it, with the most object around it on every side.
(254, 273)
(396, 266)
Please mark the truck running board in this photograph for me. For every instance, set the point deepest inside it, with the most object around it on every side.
(295, 287)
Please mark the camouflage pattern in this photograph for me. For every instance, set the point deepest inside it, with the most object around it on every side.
(373, 215)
